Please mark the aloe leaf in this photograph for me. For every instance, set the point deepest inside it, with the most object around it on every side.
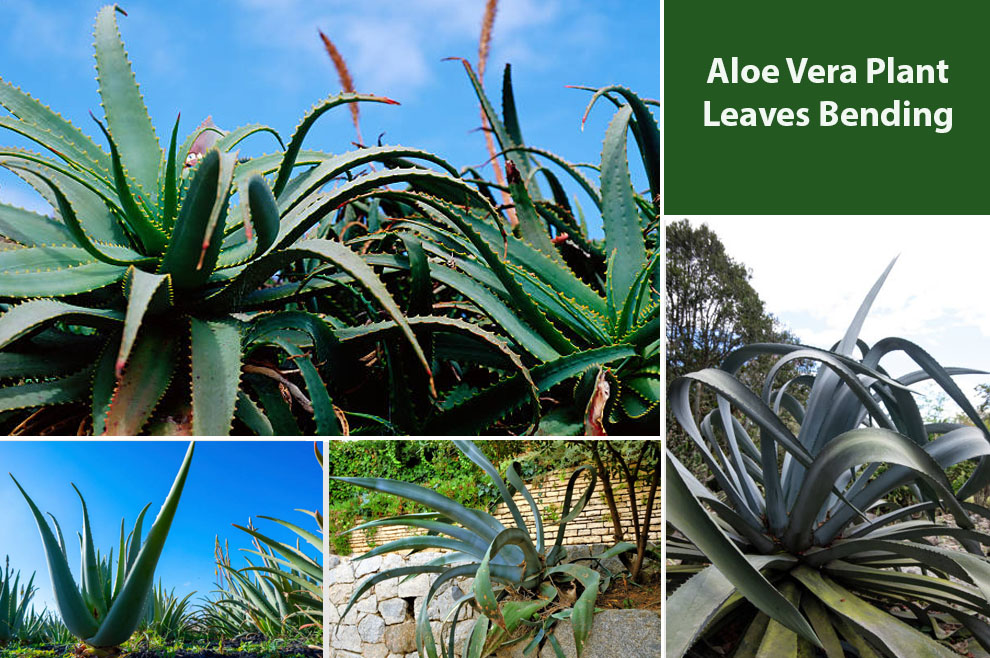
(425, 642)
(882, 628)
(249, 413)
(514, 476)
(32, 315)
(144, 381)
(215, 348)
(686, 514)
(143, 291)
(313, 540)
(475, 642)
(102, 216)
(647, 134)
(862, 446)
(89, 569)
(126, 113)
(169, 184)
(127, 609)
(622, 225)
(584, 608)
(264, 214)
(383, 576)
(295, 142)
(66, 138)
(327, 423)
(483, 409)
(483, 524)
(532, 228)
(116, 255)
(30, 228)
(71, 607)
(53, 272)
(138, 217)
(484, 595)
(238, 135)
(70, 388)
(193, 248)
(569, 513)
(261, 269)
(570, 168)
(298, 560)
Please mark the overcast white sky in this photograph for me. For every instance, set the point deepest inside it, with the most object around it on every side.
(813, 272)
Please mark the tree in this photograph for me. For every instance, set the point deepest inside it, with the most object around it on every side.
(712, 309)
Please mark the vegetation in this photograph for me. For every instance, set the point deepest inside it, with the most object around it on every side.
(109, 606)
(186, 289)
(787, 541)
(526, 600)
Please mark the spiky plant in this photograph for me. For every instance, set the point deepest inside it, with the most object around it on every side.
(569, 305)
(147, 292)
(15, 601)
(167, 616)
(787, 535)
(109, 606)
(517, 581)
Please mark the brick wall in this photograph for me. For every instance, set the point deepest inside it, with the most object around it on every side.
(592, 526)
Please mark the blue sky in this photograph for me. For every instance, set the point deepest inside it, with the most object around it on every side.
(229, 482)
(247, 61)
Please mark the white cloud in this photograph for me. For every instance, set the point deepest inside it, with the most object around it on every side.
(814, 271)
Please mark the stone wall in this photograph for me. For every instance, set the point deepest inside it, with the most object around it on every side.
(593, 525)
(382, 622)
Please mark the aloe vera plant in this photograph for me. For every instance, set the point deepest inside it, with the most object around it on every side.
(517, 580)
(567, 304)
(110, 604)
(797, 545)
(147, 292)
(15, 601)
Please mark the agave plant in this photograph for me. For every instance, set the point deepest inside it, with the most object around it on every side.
(15, 600)
(797, 546)
(568, 304)
(148, 291)
(517, 580)
(109, 606)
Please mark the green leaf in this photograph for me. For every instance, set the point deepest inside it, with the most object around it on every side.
(53, 272)
(128, 608)
(71, 388)
(126, 113)
(143, 292)
(216, 372)
(882, 629)
(144, 381)
(31, 229)
(686, 514)
(68, 600)
(263, 213)
(194, 246)
(582, 616)
(620, 216)
(295, 143)
(32, 315)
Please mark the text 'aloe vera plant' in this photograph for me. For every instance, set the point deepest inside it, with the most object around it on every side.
(149, 290)
(110, 604)
(797, 546)
(517, 581)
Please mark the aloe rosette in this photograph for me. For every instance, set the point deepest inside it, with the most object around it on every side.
(797, 543)
(501, 560)
(567, 304)
(149, 289)
(15, 601)
(110, 604)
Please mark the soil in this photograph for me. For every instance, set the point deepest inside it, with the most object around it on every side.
(624, 594)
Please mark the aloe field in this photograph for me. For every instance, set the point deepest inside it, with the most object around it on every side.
(179, 285)
(127, 588)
